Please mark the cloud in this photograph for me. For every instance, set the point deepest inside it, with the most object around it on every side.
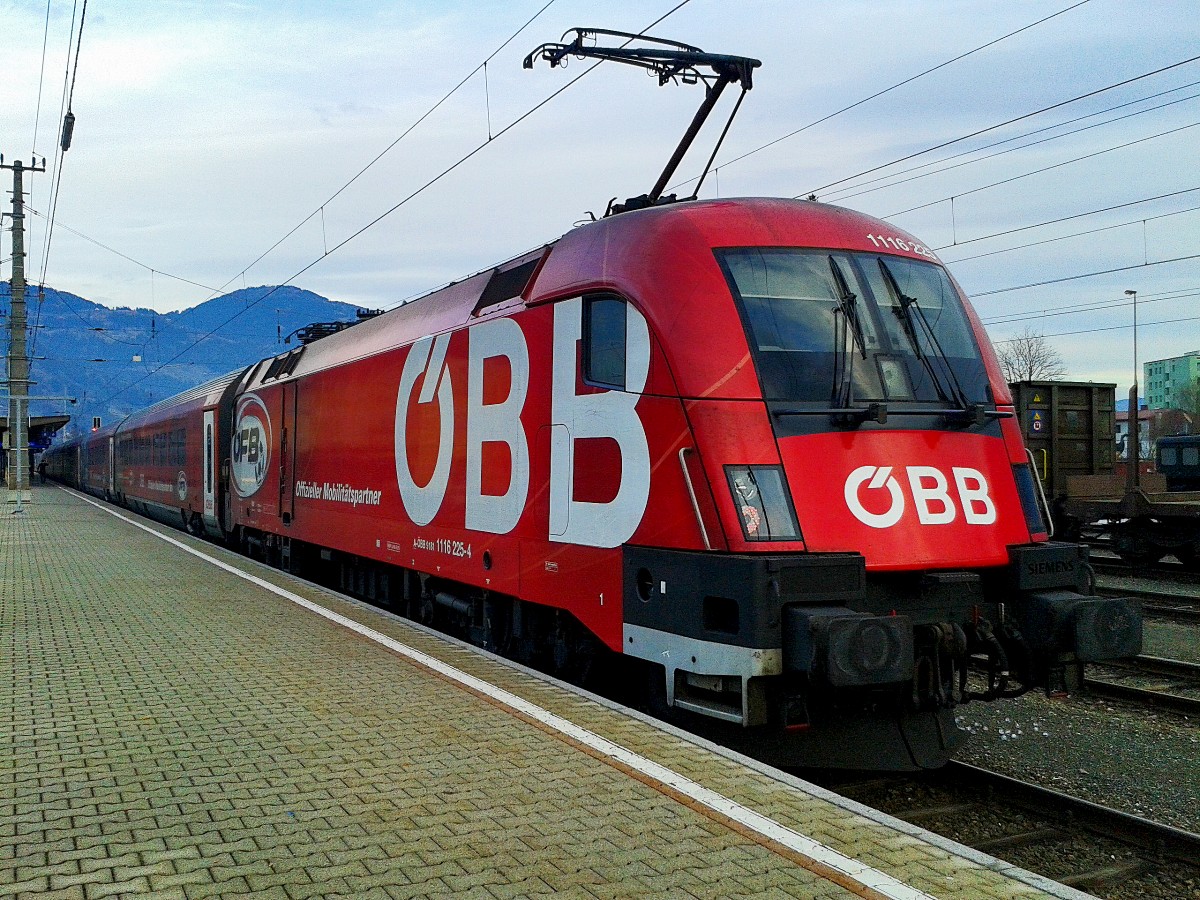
(207, 130)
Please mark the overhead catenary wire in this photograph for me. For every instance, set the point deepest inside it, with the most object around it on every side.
(1038, 171)
(60, 158)
(102, 331)
(852, 191)
(1033, 284)
(1074, 309)
(320, 210)
(1075, 234)
(137, 262)
(998, 125)
(831, 196)
(37, 115)
(176, 329)
(62, 106)
(405, 200)
(382, 153)
(325, 246)
(1108, 328)
(886, 90)
(1007, 231)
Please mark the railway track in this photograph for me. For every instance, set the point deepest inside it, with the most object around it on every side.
(1075, 842)
(1166, 570)
(1169, 568)
(1160, 603)
(1169, 683)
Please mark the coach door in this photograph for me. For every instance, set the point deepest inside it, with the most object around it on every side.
(210, 467)
(112, 467)
(287, 454)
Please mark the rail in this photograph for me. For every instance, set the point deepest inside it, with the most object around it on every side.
(1074, 841)
(1163, 682)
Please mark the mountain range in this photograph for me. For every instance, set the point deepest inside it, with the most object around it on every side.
(116, 361)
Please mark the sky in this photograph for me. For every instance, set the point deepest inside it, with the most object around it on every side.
(208, 131)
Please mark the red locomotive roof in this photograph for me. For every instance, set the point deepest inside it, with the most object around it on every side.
(660, 258)
(443, 310)
(744, 222)
(663, 260)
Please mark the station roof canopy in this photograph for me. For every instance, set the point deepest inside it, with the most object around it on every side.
(41, 428)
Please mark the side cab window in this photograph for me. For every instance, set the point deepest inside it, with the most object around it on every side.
(604, 341)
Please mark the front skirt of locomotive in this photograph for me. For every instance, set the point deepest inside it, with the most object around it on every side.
(808, 660)
(854, 738)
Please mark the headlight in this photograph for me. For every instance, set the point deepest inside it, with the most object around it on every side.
(1028, 492)
(764, 505)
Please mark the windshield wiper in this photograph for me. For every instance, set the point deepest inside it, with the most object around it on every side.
(843, 361)
(912, 313)
(908, 322)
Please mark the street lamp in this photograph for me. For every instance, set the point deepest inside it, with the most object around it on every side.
(1135, 453)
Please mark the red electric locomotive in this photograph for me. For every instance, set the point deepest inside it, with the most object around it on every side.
(758, 450)
(761, 446)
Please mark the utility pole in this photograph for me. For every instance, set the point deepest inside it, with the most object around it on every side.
(17, 471)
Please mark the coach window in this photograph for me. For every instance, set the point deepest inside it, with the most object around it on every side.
(604, 341)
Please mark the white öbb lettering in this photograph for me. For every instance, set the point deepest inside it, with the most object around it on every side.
(607, 414)
(930, 491)
(424, 501)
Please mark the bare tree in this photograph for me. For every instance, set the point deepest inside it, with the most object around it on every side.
(1187, 397)
(1029, 357)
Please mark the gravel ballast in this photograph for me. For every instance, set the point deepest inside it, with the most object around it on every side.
(1122, 755)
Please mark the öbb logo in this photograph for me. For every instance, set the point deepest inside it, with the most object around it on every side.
(930, 491)
(251, 450)
(609, 414)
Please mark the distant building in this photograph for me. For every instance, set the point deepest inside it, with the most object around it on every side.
(1164, 377)
(1145, 419)
(1152, 424)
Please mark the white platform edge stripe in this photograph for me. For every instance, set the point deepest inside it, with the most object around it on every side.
(755, 821)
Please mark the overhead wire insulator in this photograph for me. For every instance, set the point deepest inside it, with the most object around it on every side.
(68, 130)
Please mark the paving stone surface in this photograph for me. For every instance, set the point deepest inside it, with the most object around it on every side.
(168, 729)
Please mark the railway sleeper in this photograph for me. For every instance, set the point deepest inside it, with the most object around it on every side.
(1041, 835)
(1097, 879)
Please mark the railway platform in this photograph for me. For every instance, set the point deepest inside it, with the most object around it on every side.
(178, 721)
